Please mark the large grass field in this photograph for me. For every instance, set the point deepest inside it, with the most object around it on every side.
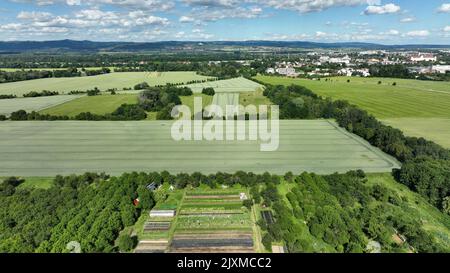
(235, 85)
(100, 105)
(409, 98)
(7, 106)
(418, 108)
(117, 80)
(47, 148)
(435, 129)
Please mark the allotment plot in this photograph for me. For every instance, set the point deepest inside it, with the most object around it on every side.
(47, 148)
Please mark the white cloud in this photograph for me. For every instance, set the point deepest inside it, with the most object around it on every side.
(385, 9)
(444, 8)
(305, 6)
(149, 5)
(447, 29)
(408, 20)
(418, 33)
(391, 32)
(186, 19)
(34, 15)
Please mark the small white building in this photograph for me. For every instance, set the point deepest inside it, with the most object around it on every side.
(162, 213)
(270, 70)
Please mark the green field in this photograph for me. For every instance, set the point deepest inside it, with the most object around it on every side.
(47, 148)
(235, 85)
(253, 98)
(104, 104)
(418, 108)
(117, 80)
(7, 106)
(410, 98)
(435, 129)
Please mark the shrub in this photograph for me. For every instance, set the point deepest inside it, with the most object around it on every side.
(126, 242)
(208, 91)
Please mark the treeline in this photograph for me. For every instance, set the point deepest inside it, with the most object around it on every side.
(23, 75)
(345, 214)
(391, 71)
(414, 153)
(123, 112)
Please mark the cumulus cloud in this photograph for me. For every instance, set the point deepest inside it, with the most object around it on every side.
(418, 33)
(447, 29)
(384, 9)
(444, 8)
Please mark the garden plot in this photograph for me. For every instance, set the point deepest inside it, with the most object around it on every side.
(7, 106)
(213, 221)
(235, 85)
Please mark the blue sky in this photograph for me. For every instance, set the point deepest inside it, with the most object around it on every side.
(386, 22)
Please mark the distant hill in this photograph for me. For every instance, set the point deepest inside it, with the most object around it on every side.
(90, 46)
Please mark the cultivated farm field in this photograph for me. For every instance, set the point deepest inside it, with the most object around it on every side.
(47, 148)
(235, 85)
(117, 80)
(100, 105)
(7, 106)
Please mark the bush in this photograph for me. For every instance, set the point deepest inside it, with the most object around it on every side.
(126, 242)
(93, 92)
(19, 115)
(129, 112)
(267, 241)
(208, 91)
(3, 117)
(142, 85)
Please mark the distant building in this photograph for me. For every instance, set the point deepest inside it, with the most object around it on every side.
(423, 57)
(162, 213)
(287, 71)
(441, 68)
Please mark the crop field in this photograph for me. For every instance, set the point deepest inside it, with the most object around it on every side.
(100, 105)
(7, 106)
(235, 85)
(47, 148)
(119, 80)
(435, 129)
(409, 98)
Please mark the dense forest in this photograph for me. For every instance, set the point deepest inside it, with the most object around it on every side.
(344, 213)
